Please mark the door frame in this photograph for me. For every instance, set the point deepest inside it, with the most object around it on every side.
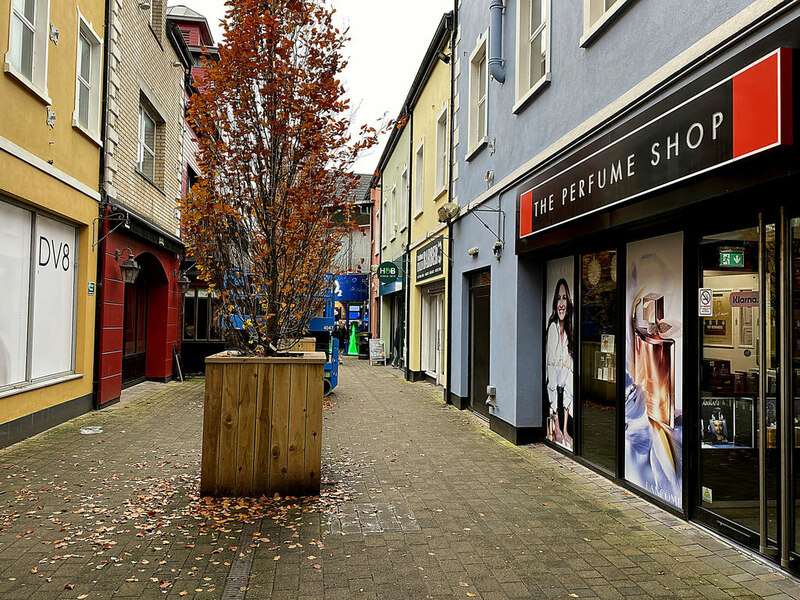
(470, 337)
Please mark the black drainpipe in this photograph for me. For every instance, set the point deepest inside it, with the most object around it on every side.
(407, 253)
(448, 390)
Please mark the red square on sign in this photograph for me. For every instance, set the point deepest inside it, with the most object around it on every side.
(762, 104)
(526, 213)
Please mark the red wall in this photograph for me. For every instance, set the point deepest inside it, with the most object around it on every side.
(163, 313)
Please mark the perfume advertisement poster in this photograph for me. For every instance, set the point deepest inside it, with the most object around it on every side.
(653, 374)
(560, 351)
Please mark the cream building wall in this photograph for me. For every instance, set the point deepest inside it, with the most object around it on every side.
(432, 105)
(395, 214)
(146, 75)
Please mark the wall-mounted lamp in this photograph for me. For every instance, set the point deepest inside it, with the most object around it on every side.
(445, 58)
(129, 269)
(473, 251)
(183, 283)
(144, 5)
(497, 249)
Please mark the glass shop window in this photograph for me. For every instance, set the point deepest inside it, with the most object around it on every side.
(201, 316)
(37, 323)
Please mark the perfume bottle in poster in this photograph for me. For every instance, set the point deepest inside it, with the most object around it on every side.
(654, 358)
(653, 373)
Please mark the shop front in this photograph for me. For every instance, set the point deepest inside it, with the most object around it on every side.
(427, 313)
(140, 320)
(393, 310)
(668, 252)
(351, 309)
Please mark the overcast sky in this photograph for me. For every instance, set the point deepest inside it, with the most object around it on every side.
(388, 41)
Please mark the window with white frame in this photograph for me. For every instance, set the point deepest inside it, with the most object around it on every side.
(441, 151)
(596, 13)
(595, 9)
(533, 64)
(419, 178)
(384, 220)
(393, 204)
(403, 217)
(27, 42)
(478, 84)
(88, 82)
(37, 323)
(146, 162)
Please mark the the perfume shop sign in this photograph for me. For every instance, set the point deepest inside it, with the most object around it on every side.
(430, 260)
(747, 113)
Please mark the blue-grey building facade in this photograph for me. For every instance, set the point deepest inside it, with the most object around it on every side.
(631, 164)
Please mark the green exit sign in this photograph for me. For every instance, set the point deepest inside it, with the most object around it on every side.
(729, 258)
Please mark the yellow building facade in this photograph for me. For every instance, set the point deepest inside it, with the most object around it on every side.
(50, 141)
(430, 183)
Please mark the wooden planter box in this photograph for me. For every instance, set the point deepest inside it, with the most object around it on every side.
(306, 344)
(262, 425)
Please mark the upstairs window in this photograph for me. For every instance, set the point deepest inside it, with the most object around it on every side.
(441, 152)
(597, 14)
(27, 43)
(478, 84)
(147, 144)
(384, 220)
(88, 81)
(533, 64)
(419, 177)
(403, 208)
(597, 8)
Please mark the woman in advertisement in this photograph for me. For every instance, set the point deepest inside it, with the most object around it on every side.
(559, 357)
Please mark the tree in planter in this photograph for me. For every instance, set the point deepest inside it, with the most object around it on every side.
(265, 220)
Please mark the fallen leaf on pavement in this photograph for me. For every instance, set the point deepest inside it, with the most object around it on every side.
(317, 566)
(69, 586)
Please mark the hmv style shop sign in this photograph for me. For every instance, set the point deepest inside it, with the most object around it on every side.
(747, 113)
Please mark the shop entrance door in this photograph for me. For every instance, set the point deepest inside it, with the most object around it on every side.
(432, 334)
(479, 316)
(440, 333)
(741, 389)
(134, 355)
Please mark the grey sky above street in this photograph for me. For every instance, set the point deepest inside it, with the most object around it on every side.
(384, 53)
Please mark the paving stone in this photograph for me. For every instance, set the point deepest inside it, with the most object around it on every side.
(435, 500)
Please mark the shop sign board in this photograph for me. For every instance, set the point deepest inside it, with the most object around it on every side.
(351, 288)
(746, 113)
(388, 272)
(744, 299)
(395, 285)
(430, 260)
(377, 351)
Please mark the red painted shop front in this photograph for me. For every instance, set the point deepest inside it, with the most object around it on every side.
(139, 322)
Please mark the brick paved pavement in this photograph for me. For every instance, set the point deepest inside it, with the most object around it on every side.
(435, 506)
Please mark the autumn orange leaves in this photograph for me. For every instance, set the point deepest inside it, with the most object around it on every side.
(275, 196)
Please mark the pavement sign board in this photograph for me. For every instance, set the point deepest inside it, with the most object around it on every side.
(377, 351)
